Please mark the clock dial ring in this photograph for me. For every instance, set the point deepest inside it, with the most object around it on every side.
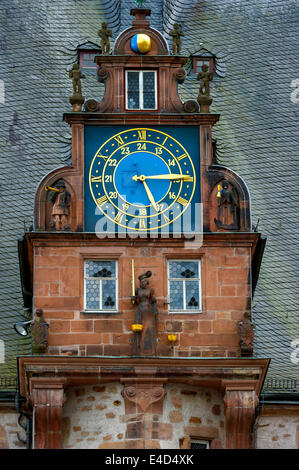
(143, 205)
(127, 149)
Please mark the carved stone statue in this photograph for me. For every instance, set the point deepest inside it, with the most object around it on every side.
(146, 316)
(61, 200)
(176, 34)
(75, 74)
(105, 33)
(39, 333)
(76, 99)
(205, 77)
(227, 211)
(246, 335)
(203, 97)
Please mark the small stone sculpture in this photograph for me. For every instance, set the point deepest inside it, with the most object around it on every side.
(205, 77)
(39, 333)
(145, 315)
(105, 33)
(227, 207)
(75, 74)
(76, 99)
(176, 34)
(61, 200)
(204, 90)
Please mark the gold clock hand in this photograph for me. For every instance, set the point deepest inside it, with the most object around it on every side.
(170, 176)
(150, 196)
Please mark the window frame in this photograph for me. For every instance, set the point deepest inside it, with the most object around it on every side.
(199, 279)
(100, 310)
(210, 61)
(141, 91)
(94, 66)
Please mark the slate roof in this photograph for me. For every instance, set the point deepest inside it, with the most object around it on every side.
(255, 46)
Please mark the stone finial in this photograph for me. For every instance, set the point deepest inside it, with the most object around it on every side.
(203, 98)
(105, 33)
(176, 34)
(76, 99)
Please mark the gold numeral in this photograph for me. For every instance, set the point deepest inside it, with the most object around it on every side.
(96, 179)
(166, 218)
(142, 134)
(142, 223)
(182, 156)
(141, 146)
(119, 140)
(182, 201)
(102, 200)
(118, 218)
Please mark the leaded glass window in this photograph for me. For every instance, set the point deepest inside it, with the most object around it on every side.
(100, 285)
(184, 286)
(141, 89)
(87, 59)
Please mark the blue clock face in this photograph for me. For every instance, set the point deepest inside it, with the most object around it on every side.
(142, 179)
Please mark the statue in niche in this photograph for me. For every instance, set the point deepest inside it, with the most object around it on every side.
(145, 315)
(246, 335)
(105, 33)
(75, 74)
(176, 34)
(205, 77)
(227, 211)
(61, 200)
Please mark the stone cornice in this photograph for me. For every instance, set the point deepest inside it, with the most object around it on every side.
(147, 118)
(219, 373)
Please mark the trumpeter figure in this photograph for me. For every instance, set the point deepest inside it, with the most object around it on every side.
(227, 211)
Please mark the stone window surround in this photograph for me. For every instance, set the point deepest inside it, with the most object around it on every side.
(199, 279)
(116, 286)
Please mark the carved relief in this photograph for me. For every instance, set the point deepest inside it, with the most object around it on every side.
(143, 396)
